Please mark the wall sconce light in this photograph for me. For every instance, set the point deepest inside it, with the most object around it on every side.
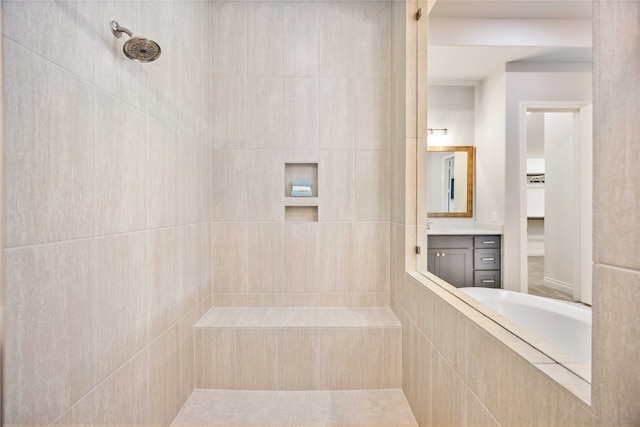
(443, 130)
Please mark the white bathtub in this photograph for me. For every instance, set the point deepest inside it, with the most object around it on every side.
(567, 326)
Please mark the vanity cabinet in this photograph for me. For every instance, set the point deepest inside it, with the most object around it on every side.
(466, 260)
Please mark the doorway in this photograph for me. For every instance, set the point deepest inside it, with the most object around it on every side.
(557, 184)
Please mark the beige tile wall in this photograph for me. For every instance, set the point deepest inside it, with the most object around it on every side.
(107, 210)
(309, 82)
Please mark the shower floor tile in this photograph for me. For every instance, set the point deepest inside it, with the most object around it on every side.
(296, 408)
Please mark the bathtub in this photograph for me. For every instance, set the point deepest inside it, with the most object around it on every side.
(565, 325)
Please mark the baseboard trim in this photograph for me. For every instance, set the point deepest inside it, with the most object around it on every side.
(558, 285)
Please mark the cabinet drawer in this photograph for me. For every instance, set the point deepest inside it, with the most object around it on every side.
(486, 241)
(448, 242)
(486, 279)
(486, 259)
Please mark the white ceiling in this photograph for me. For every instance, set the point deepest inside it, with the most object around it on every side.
(513, 9)
(468, 64)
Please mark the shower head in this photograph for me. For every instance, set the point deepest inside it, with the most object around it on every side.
(137, 49)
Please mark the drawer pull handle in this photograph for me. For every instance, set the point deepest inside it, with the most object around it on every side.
(488, 259)
(488, 242)
(488, 281)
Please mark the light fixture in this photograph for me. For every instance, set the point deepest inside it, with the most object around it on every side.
(443, 130)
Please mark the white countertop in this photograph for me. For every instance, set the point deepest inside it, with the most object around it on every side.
(461, 232)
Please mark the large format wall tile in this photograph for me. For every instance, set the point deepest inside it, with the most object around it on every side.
(301, 39)
(123, 398)
(120, 167)
(265, 38)
(164, 377)
(49, 166)
(162, 178)
(36, 26)
(119, 300)
(301, 118)
(164, 294)
(48, 331)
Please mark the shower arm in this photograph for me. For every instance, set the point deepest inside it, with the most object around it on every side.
(117, 30)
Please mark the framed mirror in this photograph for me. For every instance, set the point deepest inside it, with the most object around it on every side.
(450, 173)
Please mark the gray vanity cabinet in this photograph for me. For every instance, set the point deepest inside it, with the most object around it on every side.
(465, 260)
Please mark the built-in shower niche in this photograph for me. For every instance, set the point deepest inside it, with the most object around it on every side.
(301, 209)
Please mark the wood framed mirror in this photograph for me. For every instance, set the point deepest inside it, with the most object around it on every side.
(450, 181)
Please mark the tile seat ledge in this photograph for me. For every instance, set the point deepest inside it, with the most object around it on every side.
(299, 317)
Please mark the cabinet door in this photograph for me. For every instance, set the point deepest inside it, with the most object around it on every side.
(432, 261)
(455, 266)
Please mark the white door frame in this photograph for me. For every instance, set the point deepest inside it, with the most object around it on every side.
(544, 106)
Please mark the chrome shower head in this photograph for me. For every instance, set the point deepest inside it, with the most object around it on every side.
(137, 49)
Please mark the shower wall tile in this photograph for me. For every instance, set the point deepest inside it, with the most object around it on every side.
(372, 185)
(78, 415)
(257, 359)
(230, 185)
(123, 398)
(340, 359)
(265, 38)
(120, 167)
(265, 254)
(298, 356)
(372, 115)
(49, 291)
(265, 113)
(187, 354)
(119, 300)
(229, 38)
(372, 46)
(205, 187)
(337, 255)
(301, 39)
(45, 202)
(191, 112)
(164, 294)
(229, 272)
(190, 266)
(163, 75)
(162, 178)
(422, 377)
(337, 185)
(615, 377)
(337, 104)
(215, 358)
(265, 192)
(206, 258)
(301, 258)
(301, 118)
(449, 401)
(228, 100)
(337, 44)
(190, 177)
(126, 80)
(477, 414)
(450, 334)
(36, 26)
(371, 257)
(164, 377)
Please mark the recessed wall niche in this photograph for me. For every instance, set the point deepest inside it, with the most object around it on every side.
(301, 209)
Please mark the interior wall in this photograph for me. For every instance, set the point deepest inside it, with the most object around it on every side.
(107, 207)
(301, 82)
(453, 108)
(559, 191)
(490, 149)
(528, 87)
